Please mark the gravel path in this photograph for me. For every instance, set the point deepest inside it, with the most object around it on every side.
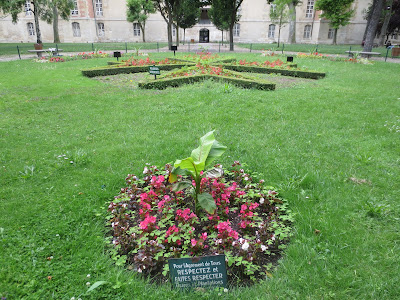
(191, 48)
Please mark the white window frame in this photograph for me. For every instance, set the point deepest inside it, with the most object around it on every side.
(101, 29)
(28, 10)
(310, 9)
(136, 29)
(99, 8)
(331, 33)
(271, 31)
(31, 29)
(307, 31)
(273, 7)
(236, 30)
(74, 11)
(76, 29)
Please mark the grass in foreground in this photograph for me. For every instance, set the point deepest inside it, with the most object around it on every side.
(330, 147)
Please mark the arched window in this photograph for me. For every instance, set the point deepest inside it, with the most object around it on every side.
(307, 32)
(76, 29)
(136, 29)
(31, 28)
(271, 31)
(100, 29)
(236, 30)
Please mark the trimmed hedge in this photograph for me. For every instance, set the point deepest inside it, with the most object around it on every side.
(175, 82)
(284, 72)
(113, 70)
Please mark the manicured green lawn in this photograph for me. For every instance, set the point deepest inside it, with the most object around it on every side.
(11, 48)
(330, 146)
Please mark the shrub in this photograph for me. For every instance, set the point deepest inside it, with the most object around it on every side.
(284, 72)
(151, 223)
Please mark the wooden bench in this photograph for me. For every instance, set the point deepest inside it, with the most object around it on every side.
(53, 51)
(367, 54)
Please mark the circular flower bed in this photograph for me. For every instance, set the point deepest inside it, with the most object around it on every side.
(151, 221)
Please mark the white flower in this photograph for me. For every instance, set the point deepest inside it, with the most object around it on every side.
(263, 248)
(88, 275)
(262, 200)
(273, 237)
(245, 246)
(246, 178)
(88, 283)
(72, 298)
(145, 170)
(225, 290)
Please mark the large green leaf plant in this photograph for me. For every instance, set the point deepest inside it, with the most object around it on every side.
(201, 158)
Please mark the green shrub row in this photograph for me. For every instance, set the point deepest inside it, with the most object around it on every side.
(284, 72)
(178, 81)
(113, 70)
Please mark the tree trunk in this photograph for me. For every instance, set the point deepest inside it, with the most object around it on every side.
(279, 34)
(55, 24)
(169, 29)
(373, 25)
(143, 27)
(231, 37)
(388, 14)
(37, 28)
(334, 42)
(292, 24)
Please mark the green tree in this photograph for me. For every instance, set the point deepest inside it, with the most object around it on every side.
(138, 11)
(224, 13)
(279, 13)
(167, 9)
(291, 16)
(338, 12)
(47, 10)
(188, 15)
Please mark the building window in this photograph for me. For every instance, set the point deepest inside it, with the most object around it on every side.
(331, 33)
(136, 29)
(99, 8)
(28, 11)
(74, 11)
(307, 32)
(31, 29)
(100, 29)
(236, 30)
(76, 29)
(273, 8)
(310, 9)
(271, 31)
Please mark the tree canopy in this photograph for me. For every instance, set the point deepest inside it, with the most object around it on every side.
(224, 15)
(338, 12)
(138, 11)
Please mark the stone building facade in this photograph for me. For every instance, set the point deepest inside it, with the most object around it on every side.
(105, 21)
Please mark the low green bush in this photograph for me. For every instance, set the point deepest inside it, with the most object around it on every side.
(114, 70)
(284, 72)
(178, 81)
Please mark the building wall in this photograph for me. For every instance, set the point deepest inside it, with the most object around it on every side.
(254, 23)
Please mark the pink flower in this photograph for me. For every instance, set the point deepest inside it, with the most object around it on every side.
(147, 222)
(204, 236)
(194, 242)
